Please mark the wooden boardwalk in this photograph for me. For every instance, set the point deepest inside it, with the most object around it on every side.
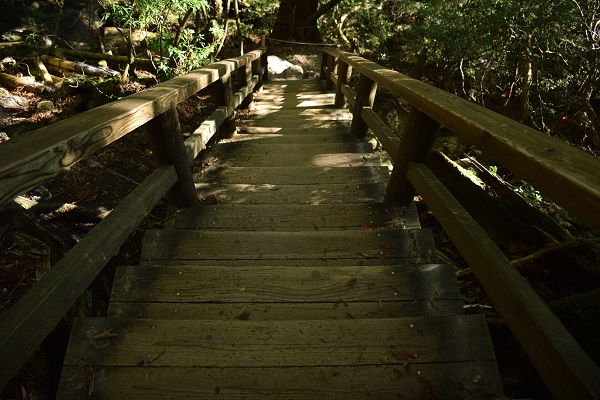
(290, 279)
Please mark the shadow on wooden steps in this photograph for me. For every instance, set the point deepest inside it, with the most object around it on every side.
(290, 279)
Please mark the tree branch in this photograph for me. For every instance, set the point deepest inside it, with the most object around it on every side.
(555, 248)
(321, 11)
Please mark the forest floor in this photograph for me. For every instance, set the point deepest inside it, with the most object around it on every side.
(65, 208)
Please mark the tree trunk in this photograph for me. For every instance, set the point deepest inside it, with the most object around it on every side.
(290, 19)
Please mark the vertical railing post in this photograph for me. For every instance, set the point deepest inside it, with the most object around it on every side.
(344, 72)
(258, 71)
(223, 92)
(330, 67)
(324, 60)
(420, 133)
(168, 148)
(264, 60)
(365, 97)
(246, 80)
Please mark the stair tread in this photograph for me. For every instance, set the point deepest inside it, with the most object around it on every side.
(414, 245)
(312, 217)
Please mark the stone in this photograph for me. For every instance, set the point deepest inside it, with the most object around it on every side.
(13, 104)
(281, 69)
(45, 105)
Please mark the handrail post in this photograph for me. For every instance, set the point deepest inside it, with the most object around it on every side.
(264, 62)
(420, 133)
(330, 67)
(344, 73)
(365, 97)
(166, 141)
(246, 80)
(223, 92)
(257, 69)
(324, 59)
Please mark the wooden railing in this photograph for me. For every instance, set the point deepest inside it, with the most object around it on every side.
(29, 160)
(566, 175)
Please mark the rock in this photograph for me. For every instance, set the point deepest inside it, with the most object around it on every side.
(45, 105)
(282, 69)
(13, 104)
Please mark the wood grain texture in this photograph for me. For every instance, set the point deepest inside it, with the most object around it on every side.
(324, 193)
(339, 309)
(308, 150)
(185, 343)
(217, 245)
(325, 160)
(386, 136)
(35, 315)
(409, 381)
(566, 368)
(189, 284)
(292, 175)
(39, 155)
(200, 137)
(563, 173)
(296, 217)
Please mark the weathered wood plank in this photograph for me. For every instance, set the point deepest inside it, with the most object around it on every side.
(290, 130)
(471, 380)
(182, 343)
(305, 114)
(295, 123)
(419, 136)
(292, 175)
(200, 137)
(218, 245)
(564, 365)
(292, 136)
(166, 141)
(388, 138)
(324, 193)
(333, 160)
(285, 285)
(250, 148)
(297, 217)
(36, 314)
(296, 263)
(284, 311)
(39, 155)
(563, 173)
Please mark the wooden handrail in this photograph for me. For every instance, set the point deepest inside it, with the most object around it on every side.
(564, 174)
(33, 158)
(561, 172)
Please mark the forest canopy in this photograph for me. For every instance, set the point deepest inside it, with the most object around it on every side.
(538, 60)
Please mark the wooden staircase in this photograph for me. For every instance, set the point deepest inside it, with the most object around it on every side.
(290, 279)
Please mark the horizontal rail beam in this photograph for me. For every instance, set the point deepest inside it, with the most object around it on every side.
(565, 174)
(34, 316)
(566, 368)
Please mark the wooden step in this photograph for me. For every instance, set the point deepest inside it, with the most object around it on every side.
(295, 123)
(325, 193)
(291, 175)
(281, 284)
(308, 150)
(290, 115)
(154, 358)
(413, 246)
(427, 381)
(339, 309)
(292, 136)
(294, 159)
(297, 217)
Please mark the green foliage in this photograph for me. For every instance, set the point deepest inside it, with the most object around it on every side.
(164, 16)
